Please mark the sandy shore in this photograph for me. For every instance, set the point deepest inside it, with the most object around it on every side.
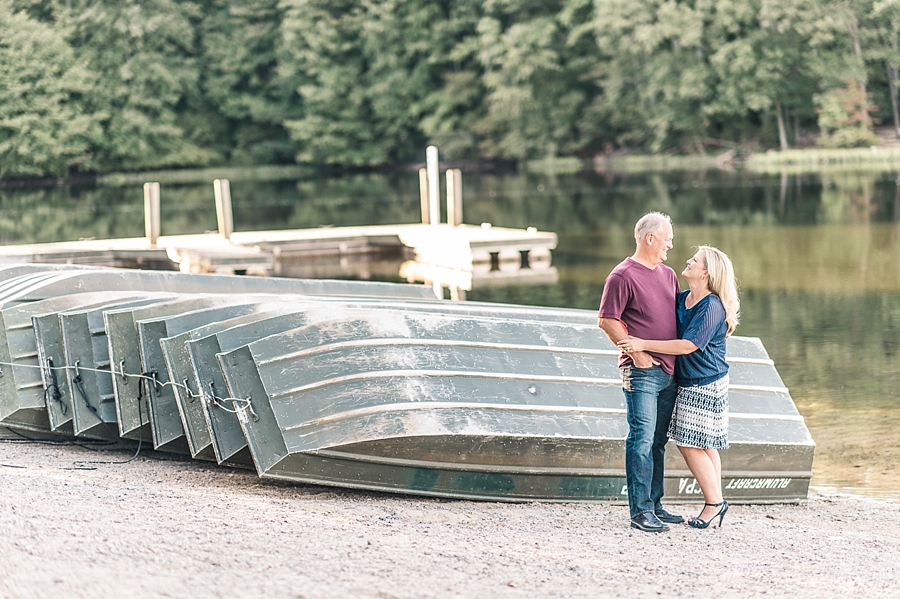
(164, 527)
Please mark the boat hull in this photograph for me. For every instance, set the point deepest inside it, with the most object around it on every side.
(424, 405)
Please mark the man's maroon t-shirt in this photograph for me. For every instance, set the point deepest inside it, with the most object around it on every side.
(644, 301)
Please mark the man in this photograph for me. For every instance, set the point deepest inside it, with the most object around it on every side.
(639, 299)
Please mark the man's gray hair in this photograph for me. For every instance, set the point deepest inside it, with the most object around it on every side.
(652, 222)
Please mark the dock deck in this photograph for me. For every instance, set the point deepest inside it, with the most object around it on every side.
(442, 247)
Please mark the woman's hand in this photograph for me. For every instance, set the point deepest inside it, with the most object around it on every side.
(632, 344)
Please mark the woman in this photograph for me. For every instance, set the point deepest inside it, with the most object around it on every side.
(707, 314)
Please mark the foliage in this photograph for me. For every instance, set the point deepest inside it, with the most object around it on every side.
(844, 118)
(360, 77)
(246, 96)
(44, 129)
(113, 85)
(534, 72)
(144, 55)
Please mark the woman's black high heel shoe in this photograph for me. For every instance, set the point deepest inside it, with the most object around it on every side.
(698, 523)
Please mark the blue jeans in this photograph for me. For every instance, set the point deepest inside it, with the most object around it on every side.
(650, 399)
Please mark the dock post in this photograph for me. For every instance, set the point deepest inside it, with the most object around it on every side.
(432, 165)
(423, 194)
(223, 207)
(151, 213)
(454, 197)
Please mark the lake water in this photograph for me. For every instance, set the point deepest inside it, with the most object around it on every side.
(816, 255)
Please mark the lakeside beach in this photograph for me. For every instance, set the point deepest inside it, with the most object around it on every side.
(161, 526)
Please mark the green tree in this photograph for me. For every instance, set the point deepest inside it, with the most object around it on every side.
(844, 117)
(655, 75)
(112, 85)
(842, 40)
(886, 18)
(247, 98)
(759, 58)
(360, 78)
(536, 66)
(455, 102)
(378, 80)
(144, 55)
(44, 129)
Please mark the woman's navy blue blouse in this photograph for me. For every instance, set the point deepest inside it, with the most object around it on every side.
(703, 325)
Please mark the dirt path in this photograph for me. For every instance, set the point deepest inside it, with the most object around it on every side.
(159, 527)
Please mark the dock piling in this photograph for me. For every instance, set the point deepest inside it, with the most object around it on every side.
(423, 194)
(432, 165)
(222, 189)
(454, 197)
(151, 213)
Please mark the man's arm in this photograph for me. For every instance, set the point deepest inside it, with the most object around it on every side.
(616, 332)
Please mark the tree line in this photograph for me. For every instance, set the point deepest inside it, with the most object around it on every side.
(118, 85)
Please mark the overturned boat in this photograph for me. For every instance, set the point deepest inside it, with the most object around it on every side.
(363, 385)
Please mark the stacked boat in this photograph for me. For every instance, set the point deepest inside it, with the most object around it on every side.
(359, 384)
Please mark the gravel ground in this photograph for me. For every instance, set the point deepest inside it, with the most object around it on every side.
(164, 527)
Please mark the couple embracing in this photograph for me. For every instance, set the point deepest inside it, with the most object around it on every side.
(673, 368)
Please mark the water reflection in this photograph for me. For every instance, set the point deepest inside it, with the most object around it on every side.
(838, 352)
(817, 256)
(818, 263)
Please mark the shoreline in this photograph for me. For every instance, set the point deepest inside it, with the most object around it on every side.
(844, 492)
(872, 160)
(167, 526)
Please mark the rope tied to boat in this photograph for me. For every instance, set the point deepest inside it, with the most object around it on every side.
(190, 394)
(244, 405)
(53, 388)
(121, 372)
(79, 386)
(152, 376)
(90, 464)
(148, 378)
(211, 396)
(240, 405)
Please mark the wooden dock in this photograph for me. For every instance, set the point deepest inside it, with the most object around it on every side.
(451, 254)
(442, 250)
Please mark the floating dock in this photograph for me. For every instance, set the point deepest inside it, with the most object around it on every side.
(465, 247)
(452, 254)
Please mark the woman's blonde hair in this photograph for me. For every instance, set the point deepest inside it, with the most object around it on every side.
(723, 284)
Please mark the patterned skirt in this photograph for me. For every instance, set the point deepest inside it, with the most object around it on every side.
(700, 418)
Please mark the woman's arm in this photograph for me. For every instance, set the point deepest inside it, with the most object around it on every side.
(672, 347)
(615, 330)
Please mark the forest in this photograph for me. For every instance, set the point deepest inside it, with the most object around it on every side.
(99, 86)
